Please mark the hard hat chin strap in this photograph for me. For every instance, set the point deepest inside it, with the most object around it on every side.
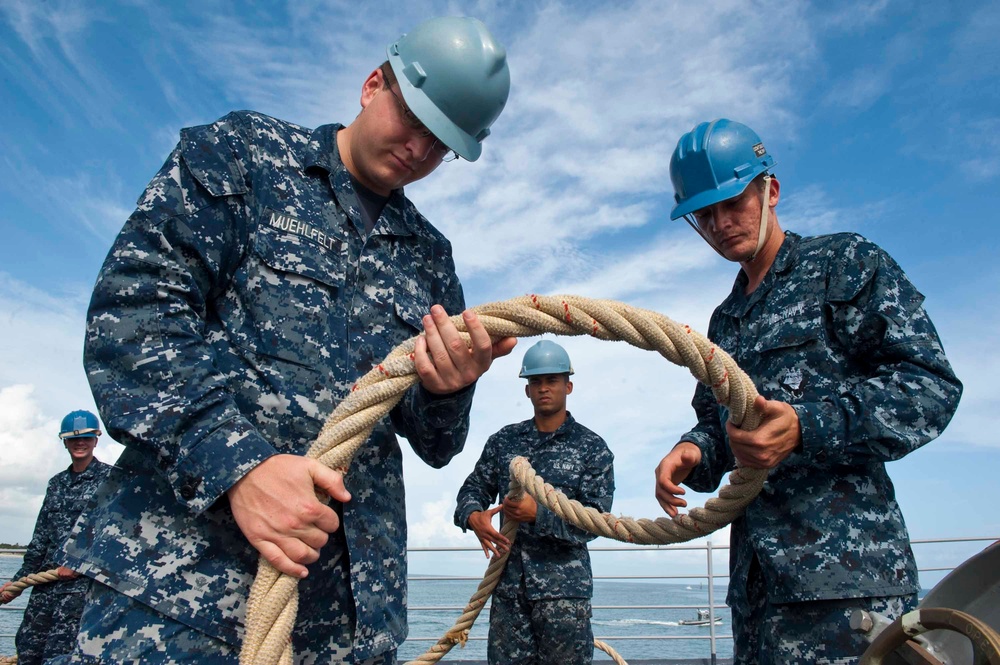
(761, 233)
(764, 208)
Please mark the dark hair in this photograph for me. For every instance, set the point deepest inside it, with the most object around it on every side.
(759, 181)
(388, 76)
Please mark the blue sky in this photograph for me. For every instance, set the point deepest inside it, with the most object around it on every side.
(884, 118)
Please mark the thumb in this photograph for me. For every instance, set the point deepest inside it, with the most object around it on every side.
(330, 481)
(764, 406)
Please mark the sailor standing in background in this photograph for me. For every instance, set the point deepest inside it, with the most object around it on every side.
(52, 616)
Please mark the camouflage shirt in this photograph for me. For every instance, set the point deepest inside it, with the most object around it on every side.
(66, 497)
(838, 331)
(237, 306)
(549, 556)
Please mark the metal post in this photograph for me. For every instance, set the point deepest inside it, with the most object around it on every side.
(711, 601)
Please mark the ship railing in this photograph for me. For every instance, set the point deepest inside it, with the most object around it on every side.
(935, 557)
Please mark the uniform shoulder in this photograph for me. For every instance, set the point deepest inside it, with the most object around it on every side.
(221, 153)
(263, 125)
(852, 261)
(585, 432)
(423, 227)
(514, 429)
(846, 241)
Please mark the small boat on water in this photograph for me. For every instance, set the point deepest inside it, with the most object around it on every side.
(702, 620)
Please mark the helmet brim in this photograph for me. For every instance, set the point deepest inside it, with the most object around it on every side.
(710, 197)
(540, 371)
(465, 145)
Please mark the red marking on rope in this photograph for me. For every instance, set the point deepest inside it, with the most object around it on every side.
(534, 300)
(687, 329)
(725, 376)
(413, 356)
(711, 354)
(382, 369)
(595, 327)
(569, 318)
(354, 387)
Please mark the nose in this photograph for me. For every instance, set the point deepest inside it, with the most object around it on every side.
(719, 216)
(421, 146)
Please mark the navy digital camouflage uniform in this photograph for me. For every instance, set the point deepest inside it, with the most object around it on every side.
(52, 615)
(236, 308)
(838, 331)
(541, 605)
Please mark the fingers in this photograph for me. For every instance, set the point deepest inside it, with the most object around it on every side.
(330, 481)
(669, 500)
(491, 548)
(492, 541)
(669, 473)
(276, 508)
(503, 346)
(443, 359)
(668, 493)
(446, 351)
(482, 345)
(276, 556)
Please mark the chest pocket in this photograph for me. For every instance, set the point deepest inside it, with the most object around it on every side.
(798, 325)
(294, 294)
(411, 306)
(563, 471)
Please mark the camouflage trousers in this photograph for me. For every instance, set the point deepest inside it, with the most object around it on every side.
(540, 632)
(816, 632)
(49, 626)
(116, 629)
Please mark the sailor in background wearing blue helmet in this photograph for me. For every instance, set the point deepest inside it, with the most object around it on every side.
(851, 375)
(52, 615)
(266, 268)
(541, 606)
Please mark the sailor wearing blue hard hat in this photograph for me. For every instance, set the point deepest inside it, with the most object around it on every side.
(851, 375)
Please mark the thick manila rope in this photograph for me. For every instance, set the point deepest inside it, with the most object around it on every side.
(273, 600)
(18, 587)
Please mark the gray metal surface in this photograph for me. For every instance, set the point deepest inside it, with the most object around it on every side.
(973, 588)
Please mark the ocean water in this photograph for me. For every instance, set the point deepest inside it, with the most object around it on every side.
(661, 625)
(664, 636)
(10, 614)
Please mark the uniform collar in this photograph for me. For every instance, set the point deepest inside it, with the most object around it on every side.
(399, 218)
(94, 463)
(529, 426)
(738, 302)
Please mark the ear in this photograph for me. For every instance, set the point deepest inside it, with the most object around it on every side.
(371, 86)
(569, 386)
(775, 193)
(526, 393)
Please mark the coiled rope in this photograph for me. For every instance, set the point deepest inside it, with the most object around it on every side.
(273, 601)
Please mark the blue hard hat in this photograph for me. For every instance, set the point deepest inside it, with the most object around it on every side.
(713, 162)
(454, 77)
(545, 357)
(78, 424)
